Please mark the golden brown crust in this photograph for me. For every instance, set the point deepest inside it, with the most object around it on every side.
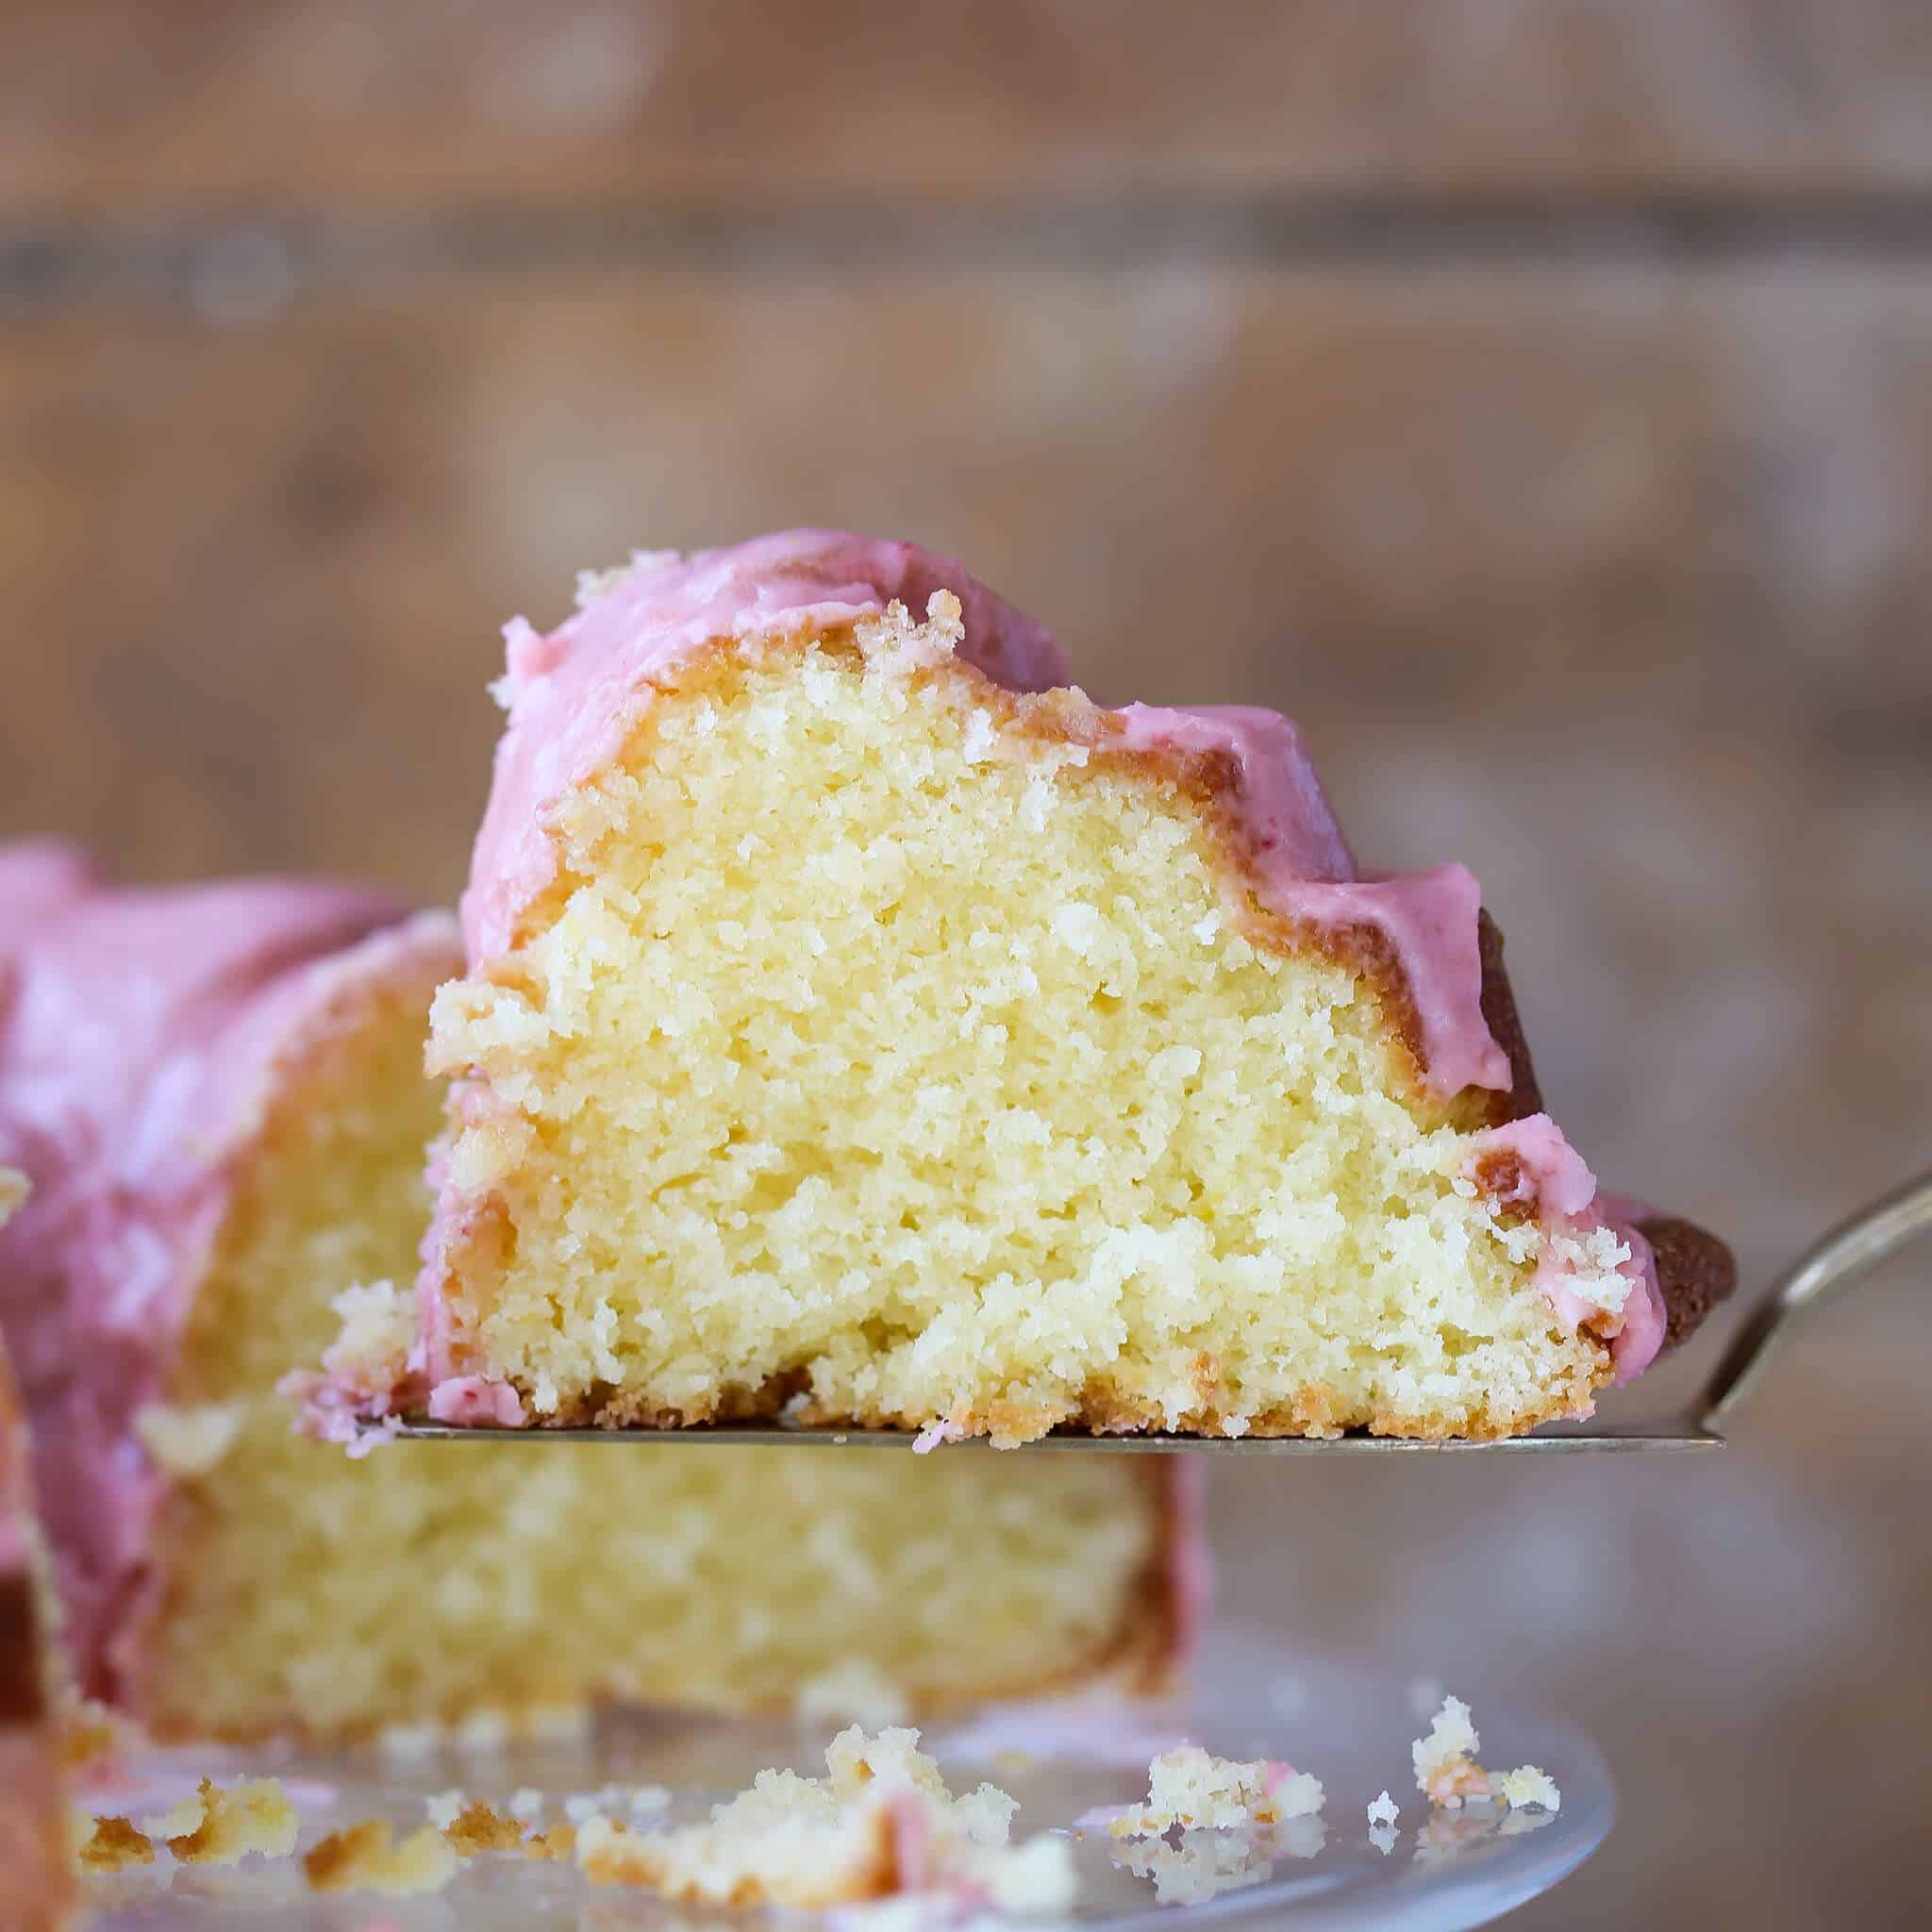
(1106, 1407)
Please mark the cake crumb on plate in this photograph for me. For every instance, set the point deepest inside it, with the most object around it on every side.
(1188, 1788)
(479, 1828)
(366, 1857)
(110, 1845)
(1446, 1771)
(881, 1823)
(221, 1825)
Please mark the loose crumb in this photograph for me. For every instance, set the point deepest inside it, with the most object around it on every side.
(477, 1828)
(1446, 1771)
(366, 1857)
(559, 1842)
(1530, 1785)
(1384, 1811)
(110, 1845)
(881, 1823)
(1188, 1787)
(223, 1825)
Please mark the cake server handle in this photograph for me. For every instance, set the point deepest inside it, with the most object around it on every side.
(1823, 1274)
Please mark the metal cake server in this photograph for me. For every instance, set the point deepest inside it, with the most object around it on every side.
(1823, 1274)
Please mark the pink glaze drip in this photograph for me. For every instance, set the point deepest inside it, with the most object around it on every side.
(139, 1037)
(575, 694)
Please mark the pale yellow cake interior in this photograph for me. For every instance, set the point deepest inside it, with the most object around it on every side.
(870, 1034)
(304, 1590)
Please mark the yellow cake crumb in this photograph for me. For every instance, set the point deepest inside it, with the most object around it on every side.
(221, 1825)
(477, 1827)
(367, 1857)
(881, 1822)
(1446, 1771)
(560, 1843)
(1188, 1788)
(110, 1845)
(1529, 1785)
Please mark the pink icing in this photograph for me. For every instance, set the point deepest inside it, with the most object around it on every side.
(575, 694)
(140, 1036)
(1552, 1181)
(475, 1402)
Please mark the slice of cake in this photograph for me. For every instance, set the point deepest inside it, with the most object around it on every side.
(219, 1095)
(862, 1021)
(34, 1868)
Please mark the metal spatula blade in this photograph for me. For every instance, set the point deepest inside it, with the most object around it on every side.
(1825, 1272)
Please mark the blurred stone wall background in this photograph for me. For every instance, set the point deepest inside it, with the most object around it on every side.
(1534, 400)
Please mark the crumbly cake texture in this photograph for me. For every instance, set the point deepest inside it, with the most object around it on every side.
(1448, 1774)
(223, 1825)
(106, 1844)
(1190, 1789)
(250, 1133)
(368, 1858)
(858, 1019)
(881, 1823)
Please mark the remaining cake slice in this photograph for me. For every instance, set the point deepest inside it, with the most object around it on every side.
(34, 1867)
(219, 1095)
(858, 1018)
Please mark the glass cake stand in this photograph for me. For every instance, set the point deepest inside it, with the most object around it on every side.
(1066, 1763)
